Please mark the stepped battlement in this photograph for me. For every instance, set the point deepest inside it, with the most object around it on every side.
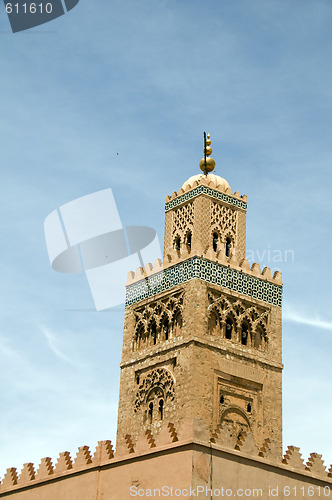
(168, 437)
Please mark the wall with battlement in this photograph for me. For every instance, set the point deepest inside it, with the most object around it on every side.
(177, 458)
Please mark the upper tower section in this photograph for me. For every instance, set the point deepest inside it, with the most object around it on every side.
(205, 218)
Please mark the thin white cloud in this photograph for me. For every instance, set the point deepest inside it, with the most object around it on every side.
(295, 317)
(52, 344)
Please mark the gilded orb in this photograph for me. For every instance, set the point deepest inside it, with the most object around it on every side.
(210, 164)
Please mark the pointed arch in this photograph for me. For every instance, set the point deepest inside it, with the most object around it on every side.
(260, 336)
(177, 322)
(230, 326)
(214, 323)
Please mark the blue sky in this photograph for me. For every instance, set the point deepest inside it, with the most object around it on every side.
(144, 80)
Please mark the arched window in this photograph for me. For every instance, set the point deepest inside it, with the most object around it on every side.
(213, 323)
(229, 328)
(150, 412)
(177, 243)
(260, 337)
(228, 247)
(153, 332)
(165, 329)
(161, 409)
(188, 240)
(249, 408)
(244, 334)
(177, 324)
(215, 240)
(139, 337)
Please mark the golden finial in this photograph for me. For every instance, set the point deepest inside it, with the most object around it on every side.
(207, 164)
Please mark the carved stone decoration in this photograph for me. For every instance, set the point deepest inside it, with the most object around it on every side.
(183, 219)
(226, 318)
(161, 380)
(158, 321)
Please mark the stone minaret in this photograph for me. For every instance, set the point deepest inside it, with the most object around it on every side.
(202, 332)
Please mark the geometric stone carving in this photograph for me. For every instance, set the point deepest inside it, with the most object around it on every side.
(157, 378)
(172, 202)
(45, 468)
(124, 445)
(145, 441)
(269, 450)
(149, 437)
(172, 431)
(246, 443)
(64, 462)
(224, 435)
(250, 284)
(293, 458)
(27, 474)
(104, 452)
(316, 465)
(83, 457)
(129, 443)
(167, 434)
(10, 478)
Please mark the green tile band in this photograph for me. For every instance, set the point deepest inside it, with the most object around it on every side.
(205, 190)
(212, 272)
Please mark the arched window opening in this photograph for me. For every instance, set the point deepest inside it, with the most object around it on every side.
(137, 379)
(258, 337)
(161, 409)
(140, 338)
(249, 408)
(244, 334)
(222, 399)
(177, 243)
(165, 329)
(228, 247)
(150, 412)
(188, 240)
(229, 328)
(215, 239)
(177, 324)
(213, 323)
(153, 330)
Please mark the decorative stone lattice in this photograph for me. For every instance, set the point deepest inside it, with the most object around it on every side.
(224, 219)
(202, 222)
(161, 378)
(241, 236)
(183, 218)
(165, 316)
(237, 311)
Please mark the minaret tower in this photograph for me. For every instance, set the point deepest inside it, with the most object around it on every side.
(202, 332)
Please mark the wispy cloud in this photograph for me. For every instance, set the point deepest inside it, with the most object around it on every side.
(52, 344)
(317, 322)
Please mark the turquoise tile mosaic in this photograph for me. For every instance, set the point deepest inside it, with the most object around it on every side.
(205, 190)
(212, 272)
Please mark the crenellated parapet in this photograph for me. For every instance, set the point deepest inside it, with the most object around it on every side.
(241, 278)
(64, 466)
(168, 438)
